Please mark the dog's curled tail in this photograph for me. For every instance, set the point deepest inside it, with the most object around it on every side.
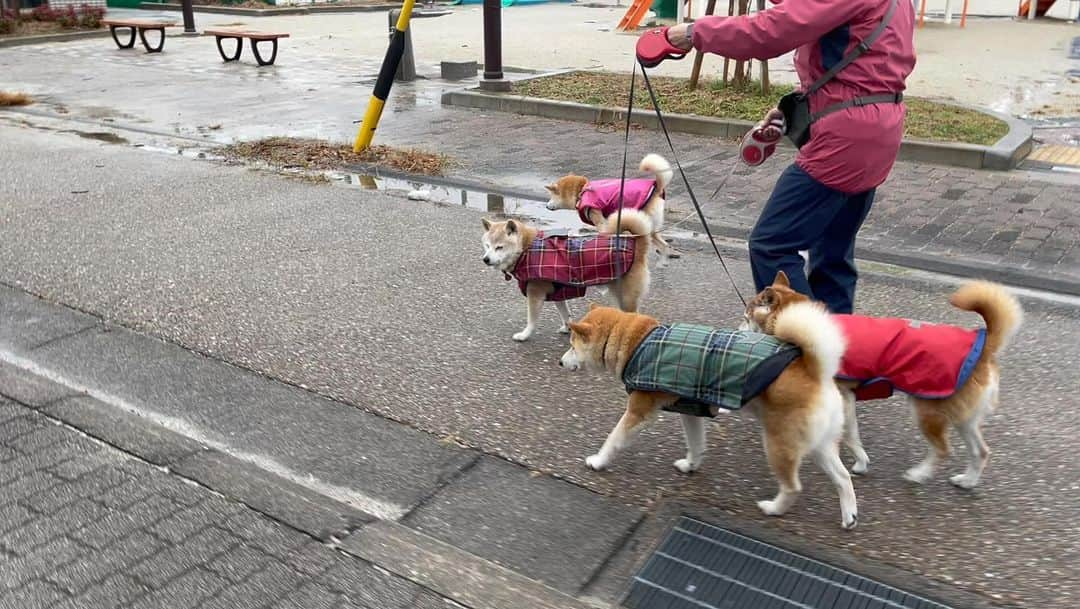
(809, 325)
(1000, 310)
(633, 221)
(659, 167)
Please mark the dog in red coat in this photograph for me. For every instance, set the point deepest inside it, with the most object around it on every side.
(951, 375)
(557, 267)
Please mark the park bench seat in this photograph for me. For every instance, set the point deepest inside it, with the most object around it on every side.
(141, 26)
(254, 37)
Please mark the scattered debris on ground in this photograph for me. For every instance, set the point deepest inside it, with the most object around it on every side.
(926, 120)
(322, 155)
(15, 99)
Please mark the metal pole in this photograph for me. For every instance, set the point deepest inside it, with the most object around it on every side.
(385, 79)
(493, 69)
(189, 17)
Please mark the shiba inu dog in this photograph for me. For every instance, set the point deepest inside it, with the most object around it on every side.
(559, 268)
(787, 383)
(951, 375)
(597, 201)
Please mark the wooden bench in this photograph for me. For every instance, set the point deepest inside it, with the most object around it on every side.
(254, 37)
(141, 26)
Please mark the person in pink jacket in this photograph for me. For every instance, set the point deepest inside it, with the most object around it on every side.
(820, 201)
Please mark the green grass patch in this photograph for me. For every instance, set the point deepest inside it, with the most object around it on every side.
(926, 120)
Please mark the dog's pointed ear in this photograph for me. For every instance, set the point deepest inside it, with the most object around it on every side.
(582, 329)
(768, 296)
(552, 188)
(486, 223)
(594, 306)
(511, 227)
(782, 279)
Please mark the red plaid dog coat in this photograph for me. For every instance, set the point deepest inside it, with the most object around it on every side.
(603, 196)
(920, 359)
(573, 263)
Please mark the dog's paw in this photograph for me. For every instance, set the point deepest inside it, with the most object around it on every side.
(964, 481)
(596, 463)
(918, 475)
(849, 522)
(860, 467)
(523, 336)
(564, 329)
(686, 466)
(770, 508)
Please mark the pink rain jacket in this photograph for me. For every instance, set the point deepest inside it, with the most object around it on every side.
(852, 150)
(603, 195)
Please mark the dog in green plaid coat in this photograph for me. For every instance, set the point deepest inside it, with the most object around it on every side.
(785, 380)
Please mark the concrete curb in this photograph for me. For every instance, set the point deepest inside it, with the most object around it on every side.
(270, 12)
(46, 38)
(1003, 155)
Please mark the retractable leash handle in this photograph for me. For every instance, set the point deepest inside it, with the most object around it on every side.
(760, 142)
(653, 48)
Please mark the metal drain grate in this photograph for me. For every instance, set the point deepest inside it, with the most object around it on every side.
(700, 566)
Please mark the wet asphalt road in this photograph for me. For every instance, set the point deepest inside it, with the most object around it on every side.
(384, 303)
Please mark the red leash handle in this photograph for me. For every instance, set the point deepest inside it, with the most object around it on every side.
(653, 48)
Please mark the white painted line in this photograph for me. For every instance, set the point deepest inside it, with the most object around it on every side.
(380, 509)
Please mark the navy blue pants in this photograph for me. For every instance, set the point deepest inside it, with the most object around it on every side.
(804, 214)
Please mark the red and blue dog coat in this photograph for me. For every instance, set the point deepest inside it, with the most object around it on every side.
(920, 359)
(603, 196)
(574, 263)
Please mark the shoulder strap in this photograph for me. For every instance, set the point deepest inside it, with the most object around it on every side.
(857, 52)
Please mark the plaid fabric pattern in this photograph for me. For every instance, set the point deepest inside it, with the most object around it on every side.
(703, 365)
(574, 263)
(603, 195)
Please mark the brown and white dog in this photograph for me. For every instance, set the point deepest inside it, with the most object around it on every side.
(596, 202)
(558, 268)
(963, 363)
(800, 408)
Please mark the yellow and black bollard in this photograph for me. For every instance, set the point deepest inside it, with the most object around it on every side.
(385, 79)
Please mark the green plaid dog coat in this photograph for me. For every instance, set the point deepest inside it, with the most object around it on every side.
(707, 367)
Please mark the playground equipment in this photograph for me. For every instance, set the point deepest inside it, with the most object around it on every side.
(1040, 9)
(632, 19)
(508, 3)
(948, 12)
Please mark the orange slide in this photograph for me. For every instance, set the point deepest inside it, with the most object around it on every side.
(1040, 9)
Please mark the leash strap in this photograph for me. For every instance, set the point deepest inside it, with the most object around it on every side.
(622, 178)
(686, 181)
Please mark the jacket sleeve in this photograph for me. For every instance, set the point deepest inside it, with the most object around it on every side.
(775, 31)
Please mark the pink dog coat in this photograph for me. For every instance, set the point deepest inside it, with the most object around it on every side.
(920, 359)
(603, 196)
(574, 263)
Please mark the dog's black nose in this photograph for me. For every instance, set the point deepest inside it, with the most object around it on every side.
(487, 260)
(560, 363)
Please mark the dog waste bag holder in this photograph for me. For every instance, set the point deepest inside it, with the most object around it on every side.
(700, 566)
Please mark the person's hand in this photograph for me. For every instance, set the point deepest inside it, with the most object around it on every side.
(771, 128)
(678, 36)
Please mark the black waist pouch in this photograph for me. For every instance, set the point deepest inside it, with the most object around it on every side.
(796, 109)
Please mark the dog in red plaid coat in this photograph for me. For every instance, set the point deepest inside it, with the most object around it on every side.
(558, 268)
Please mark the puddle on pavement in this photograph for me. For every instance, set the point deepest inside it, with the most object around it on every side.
(493, 203)
(102, 136)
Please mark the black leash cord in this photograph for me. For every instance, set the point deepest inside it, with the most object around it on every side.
(675, 155)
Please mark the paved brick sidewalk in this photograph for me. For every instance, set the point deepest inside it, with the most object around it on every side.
(85, 525)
